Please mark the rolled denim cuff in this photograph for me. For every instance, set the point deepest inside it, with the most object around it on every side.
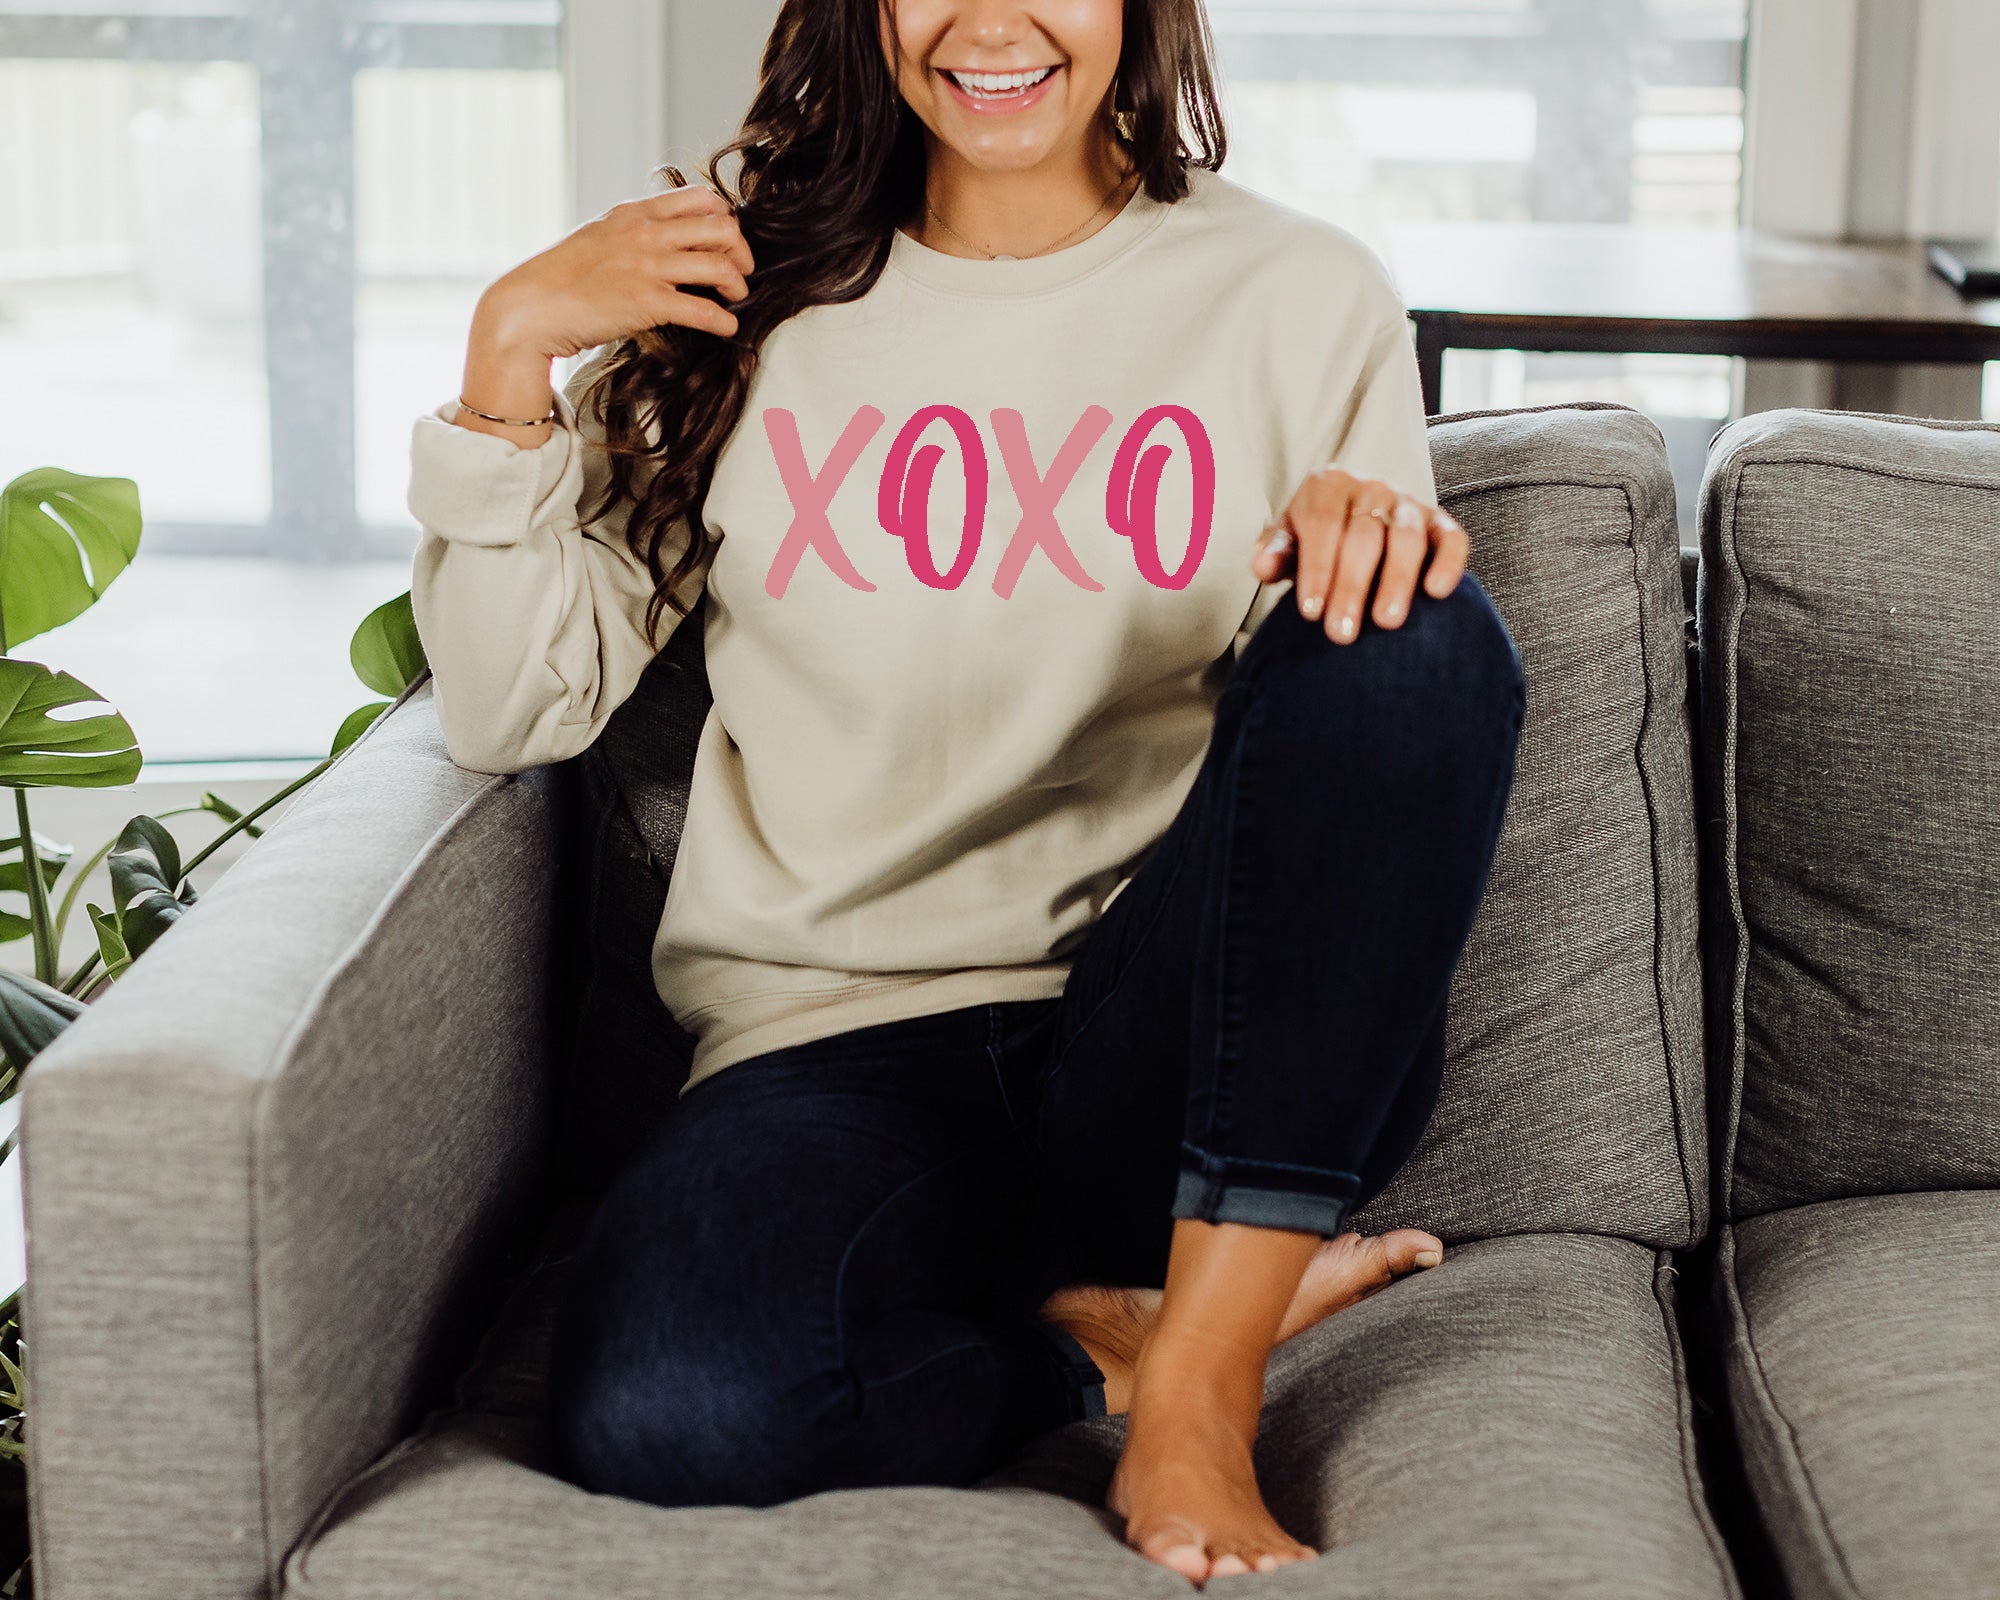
(1083, 1377)
(1222, 1192)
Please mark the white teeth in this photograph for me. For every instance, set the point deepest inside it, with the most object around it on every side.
(998, 82)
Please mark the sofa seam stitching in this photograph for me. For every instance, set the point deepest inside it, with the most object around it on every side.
(1665, 1269)
(1670, 1055)
(1789, 1442)
(1803, 457)
(1618, 482)
(286, 1046)
(1935, 424)
(1726, 735)
(253, 1138)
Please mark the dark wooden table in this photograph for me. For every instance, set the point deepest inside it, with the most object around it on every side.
(1677, 291)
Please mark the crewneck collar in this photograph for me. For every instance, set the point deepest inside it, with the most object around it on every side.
(971, 275)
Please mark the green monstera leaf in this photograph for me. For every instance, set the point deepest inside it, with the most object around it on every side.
(110, 942)
(31, 1014)
(53, 855)
(40, 750)
(386, 652)
(51, 524)
(144, 869)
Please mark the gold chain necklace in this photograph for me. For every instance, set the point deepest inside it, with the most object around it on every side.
(1087, 221)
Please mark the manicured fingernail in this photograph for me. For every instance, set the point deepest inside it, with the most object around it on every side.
(1428, 1258)
(1392, 612)
(1345, 627)
(1311, 605)
(1280, 538)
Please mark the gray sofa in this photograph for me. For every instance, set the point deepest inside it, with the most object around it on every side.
(300, 1186)
(1851, 650)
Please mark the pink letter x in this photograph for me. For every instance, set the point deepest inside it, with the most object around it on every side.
(1038, 495)
(811, 496)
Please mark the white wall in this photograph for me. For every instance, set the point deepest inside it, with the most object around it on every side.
(657, 81)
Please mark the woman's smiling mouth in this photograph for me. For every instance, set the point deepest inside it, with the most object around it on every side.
(999, 91)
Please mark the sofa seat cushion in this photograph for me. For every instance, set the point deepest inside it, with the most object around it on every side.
(1864, 1366)
(1514, 1422)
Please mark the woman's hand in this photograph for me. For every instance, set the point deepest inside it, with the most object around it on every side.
(616, 276)
(1339, 531)
(623, 273)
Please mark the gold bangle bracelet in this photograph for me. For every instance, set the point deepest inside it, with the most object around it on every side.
(555, 415)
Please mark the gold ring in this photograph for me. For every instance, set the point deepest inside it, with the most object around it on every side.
(1384, 517)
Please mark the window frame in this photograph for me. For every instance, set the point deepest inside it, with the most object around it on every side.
(306, 117)
(668, 80)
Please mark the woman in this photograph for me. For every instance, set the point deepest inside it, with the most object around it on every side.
(1065, 924)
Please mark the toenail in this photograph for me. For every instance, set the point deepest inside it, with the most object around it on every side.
(1428, 1258)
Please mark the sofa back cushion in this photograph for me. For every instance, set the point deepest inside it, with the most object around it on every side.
(1572, 1097)
(1573, 1079)
(1851, 718)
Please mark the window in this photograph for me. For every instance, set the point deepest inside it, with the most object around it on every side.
(240, 241)
(1371, 112)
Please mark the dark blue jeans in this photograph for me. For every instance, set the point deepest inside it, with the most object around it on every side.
(823, 1271)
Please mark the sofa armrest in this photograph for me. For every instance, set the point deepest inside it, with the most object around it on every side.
(272, 1175)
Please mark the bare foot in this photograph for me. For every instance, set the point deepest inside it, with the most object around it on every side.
(1351, 1267)
(1185, 1484)
(1112, 1323)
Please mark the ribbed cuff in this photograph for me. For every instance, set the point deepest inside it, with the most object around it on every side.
(1082, 1376)
(1211, 1198)
(478, 488)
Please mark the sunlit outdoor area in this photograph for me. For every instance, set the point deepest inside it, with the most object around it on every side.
(235, 280)
(247, 253)
(1505, 111)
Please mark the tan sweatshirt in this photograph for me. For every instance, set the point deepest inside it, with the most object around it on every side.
(980, 567)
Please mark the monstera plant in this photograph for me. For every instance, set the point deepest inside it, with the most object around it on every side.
(64, 539)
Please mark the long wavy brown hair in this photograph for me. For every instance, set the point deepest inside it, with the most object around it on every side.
(832, 161)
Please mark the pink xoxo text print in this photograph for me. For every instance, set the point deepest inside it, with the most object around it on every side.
(1131, 501)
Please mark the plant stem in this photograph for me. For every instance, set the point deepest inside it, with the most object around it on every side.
(38, 893)
(249, 817)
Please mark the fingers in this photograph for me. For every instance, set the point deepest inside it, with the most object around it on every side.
(1453, 550)
(1317, 516)
(720, 235)
(693, 217)
(1342, 536)
(1360, 554)
(1275, 549)
(702, 266)
(687, 200)
(691, 311)
(1409, 543)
